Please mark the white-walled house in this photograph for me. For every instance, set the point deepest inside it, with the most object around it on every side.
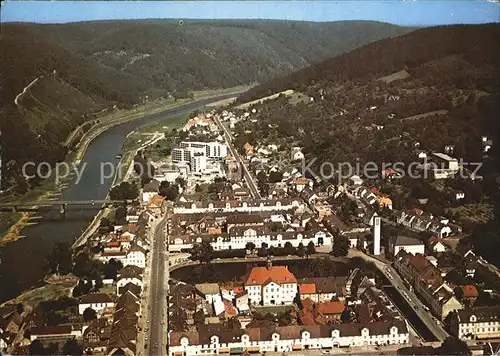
(135, 256)
(288, 338)
(436, 245)
(150, 190)
(409, 244)
(271, 285)
(96, 301)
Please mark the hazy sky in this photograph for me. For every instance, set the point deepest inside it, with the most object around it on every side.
(430, 12)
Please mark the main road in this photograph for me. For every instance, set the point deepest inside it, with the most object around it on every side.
(234, 152)
(414, 302)
(157, 319)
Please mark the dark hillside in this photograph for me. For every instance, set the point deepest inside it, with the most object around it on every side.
(27, 55)
(235, 51)
(476, 45)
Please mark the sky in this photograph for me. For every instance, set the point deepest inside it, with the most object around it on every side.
(400, 12)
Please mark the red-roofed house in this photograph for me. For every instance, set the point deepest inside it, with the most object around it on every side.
(470, 293)
(271, 285)
(331, 310)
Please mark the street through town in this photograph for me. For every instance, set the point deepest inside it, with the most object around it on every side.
(234, 152)
(158, 289)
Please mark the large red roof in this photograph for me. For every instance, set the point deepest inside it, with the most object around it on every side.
(277, 274)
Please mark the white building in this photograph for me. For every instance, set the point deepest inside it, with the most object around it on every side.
(355, 180)
(297, 154)
(445, 162)
(409, 244)
(288, 338)
(96, 301)
(271, 285)
(150, 190)
(476, 323)
(129, 274)
(198, 163)
(436, 245)
(181, 155)
(135, 256)
(211, 149)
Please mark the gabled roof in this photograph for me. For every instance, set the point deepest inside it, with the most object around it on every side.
(407, 241)
(130, 287)
(136, 247)
(470, 291)
(152, 187)
(130, 271)
(276, 274)
(329, 308)
(307, 288)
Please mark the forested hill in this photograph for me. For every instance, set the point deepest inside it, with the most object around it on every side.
(476, 46)
(169, 57)
(79, 69)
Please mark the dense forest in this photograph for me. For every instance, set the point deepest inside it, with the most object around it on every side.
(430, 90)
(84, 68)
(477, 46)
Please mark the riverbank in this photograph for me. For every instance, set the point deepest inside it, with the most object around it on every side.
(15, 223)
(31, 251)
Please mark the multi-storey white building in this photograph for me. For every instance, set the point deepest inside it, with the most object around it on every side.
(271, 285)
(476, 323)
(237, 206)
(181, 155)
(209, 340)
(198, 163)
(211, 149)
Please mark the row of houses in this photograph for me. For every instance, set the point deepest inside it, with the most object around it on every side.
(208, 340)
(418, 220)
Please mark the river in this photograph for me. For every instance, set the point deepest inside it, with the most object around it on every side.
(22, 261)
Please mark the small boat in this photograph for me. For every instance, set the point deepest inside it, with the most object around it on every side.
(119, 156)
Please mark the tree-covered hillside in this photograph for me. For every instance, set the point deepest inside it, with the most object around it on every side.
(476, 45)
(83, 68)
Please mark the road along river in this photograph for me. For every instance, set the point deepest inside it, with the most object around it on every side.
(22, 261)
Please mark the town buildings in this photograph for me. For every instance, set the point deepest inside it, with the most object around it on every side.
(428, 283)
